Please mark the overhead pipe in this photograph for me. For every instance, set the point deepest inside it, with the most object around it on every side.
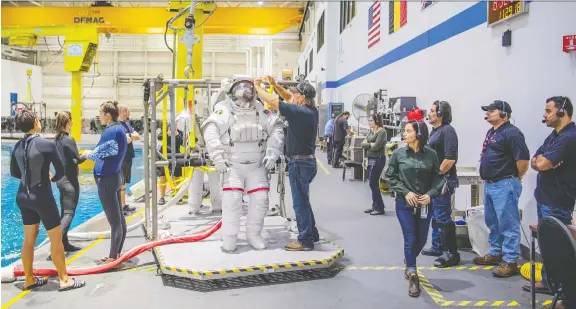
(258, 64)
(303, 19)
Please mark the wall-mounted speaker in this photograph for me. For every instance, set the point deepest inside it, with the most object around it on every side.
(507, 38)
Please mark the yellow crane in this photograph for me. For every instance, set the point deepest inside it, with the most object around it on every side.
(81, 27)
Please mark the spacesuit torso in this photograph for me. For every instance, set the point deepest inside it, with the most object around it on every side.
(244, 132)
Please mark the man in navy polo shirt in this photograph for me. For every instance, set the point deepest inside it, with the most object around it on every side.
(503, 163)
(444, 140)
(554, 160)
(302, 117)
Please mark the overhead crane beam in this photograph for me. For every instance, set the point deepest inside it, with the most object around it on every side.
(148, 20)
(81, 26)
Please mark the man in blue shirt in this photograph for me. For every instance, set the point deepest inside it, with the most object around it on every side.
(302, 117)
(555, 191)
(503, 163)
(341, 130)
(131, 136)
(328, 135)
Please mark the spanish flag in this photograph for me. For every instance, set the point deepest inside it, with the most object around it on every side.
(397, 11)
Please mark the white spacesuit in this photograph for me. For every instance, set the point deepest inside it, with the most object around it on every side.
(196, 188)
(196, 185)
(243, 141)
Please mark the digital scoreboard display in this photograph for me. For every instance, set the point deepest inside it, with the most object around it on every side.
(499, 11)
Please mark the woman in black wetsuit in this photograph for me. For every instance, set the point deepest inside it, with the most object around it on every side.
(68, 185)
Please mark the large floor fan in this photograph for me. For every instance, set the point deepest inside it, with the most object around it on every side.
(361, 107)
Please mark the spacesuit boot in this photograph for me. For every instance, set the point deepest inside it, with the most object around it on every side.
(257, 187)
(195, 189)
(232, 192)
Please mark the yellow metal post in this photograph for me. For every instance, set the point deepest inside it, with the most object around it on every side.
(181, 60)
(80, 49)
(196, 73)
(76, 131)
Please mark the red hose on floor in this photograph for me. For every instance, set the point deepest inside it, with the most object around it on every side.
(128, 255)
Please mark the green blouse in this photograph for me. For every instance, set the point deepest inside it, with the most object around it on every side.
(379, 140)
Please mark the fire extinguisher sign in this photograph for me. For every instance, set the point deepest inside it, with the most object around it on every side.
(569, 43)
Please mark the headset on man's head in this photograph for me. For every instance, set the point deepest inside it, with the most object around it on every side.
(561, 111)
(441, 107)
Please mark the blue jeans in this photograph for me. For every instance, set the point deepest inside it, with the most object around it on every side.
(502, 218)
(442, 216)
(375, 168)
(562, 214)
(301, 173)
(414, 229)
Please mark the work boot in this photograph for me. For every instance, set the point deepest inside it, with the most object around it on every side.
(414, 286)
(431, 252)
(296, 246)
(449, 246)
(406, 276)
(447, 260)
(539, 287)
(505, 270)
(127, 208)
(488, 260)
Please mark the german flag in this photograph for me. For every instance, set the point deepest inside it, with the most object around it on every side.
(397, 11)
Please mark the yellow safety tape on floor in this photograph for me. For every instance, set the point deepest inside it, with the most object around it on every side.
(430, 289)
(68, 261)
(265, 268)
(322, 167)
(470, 268)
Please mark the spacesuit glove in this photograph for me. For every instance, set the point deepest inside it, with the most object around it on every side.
(270, 160)
(220, 164)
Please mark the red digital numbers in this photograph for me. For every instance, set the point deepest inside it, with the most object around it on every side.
(496, 5)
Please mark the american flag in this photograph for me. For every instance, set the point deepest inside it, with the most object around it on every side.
(374, 24)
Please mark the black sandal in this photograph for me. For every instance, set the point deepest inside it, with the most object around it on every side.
(76, 285)
(39, 282)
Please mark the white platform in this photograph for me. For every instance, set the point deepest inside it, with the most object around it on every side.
(205, 260)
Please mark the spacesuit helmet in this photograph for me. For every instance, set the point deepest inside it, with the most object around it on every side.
(242, 91)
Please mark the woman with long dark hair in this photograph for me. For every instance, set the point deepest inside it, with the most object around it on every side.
(68, 185)
(414, 174)
(374, 144)
(108, 155)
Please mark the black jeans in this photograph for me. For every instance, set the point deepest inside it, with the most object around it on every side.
(375, 168)
(109, 193)
(338, 148)
(329, 148)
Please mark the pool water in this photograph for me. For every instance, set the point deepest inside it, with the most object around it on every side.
(88, 206)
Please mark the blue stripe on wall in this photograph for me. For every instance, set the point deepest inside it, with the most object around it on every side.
(461, 22)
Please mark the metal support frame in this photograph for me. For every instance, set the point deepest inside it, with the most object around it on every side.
(154, 159)
(147, 154)
(152, 97)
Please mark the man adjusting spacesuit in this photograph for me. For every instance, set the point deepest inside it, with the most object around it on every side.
(243, 141)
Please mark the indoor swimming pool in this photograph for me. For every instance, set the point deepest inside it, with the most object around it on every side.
(88, 206)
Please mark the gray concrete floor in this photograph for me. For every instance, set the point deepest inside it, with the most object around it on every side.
(372, 276)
